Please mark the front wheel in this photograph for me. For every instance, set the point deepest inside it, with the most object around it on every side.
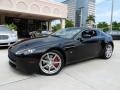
(51, 63)
(108, 51)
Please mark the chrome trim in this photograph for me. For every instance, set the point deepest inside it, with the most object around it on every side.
(12, 62)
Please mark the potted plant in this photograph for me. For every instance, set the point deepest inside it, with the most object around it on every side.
(12, 27)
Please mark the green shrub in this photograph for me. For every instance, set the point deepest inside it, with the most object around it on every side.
(12, 26)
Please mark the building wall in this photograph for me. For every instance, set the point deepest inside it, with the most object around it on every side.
(38, 7)
(74, 11)
(91, 7)
(71, 9)
(83, 4)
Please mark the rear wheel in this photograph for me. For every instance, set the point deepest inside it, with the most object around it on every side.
(108, 51)
(51, 63)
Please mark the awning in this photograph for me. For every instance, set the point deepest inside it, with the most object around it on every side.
(35, 9)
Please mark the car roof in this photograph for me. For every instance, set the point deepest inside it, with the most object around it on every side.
(82, 28)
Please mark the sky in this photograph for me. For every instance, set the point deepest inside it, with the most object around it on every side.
(103, 10)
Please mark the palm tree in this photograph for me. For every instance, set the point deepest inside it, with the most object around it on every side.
(69, 23)
(90, 20)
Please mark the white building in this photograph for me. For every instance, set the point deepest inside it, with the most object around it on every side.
(91, 7)
(79, 10)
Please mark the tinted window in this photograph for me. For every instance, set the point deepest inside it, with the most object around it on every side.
(90, 32)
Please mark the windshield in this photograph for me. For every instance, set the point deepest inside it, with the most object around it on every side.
(67, 33)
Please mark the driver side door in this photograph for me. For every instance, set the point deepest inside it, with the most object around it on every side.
(83, 47)
(91, 42)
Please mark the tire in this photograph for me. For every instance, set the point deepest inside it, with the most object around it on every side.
(51, 63)
(108, 51)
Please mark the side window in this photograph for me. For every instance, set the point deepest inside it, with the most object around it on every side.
(86, 34)
(89, 33)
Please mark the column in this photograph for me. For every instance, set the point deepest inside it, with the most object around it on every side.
(62, 21)
(49, 26)
(2, 19)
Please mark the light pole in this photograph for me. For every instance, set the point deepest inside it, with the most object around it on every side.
(81, 16)
(111, 27)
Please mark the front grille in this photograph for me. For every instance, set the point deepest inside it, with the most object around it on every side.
(12, 56)
(4, 37)
(3, 43)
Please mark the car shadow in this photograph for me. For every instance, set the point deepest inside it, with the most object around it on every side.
(15, 70)
(81, 62)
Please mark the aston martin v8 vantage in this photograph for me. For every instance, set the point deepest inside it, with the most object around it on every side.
(48, 55)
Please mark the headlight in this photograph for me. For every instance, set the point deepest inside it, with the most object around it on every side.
(14, 35)
(25, 51)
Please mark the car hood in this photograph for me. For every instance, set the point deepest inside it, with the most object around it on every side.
(35, 43)
(6, 32)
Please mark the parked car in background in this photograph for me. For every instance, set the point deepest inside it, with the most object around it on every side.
(115, 34)
(46, 32)
(38, 34)
(7, 36)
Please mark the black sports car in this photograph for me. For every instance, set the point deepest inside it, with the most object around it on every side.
(50, 54)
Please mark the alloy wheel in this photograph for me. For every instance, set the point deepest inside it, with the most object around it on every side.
(108, 51)
(50, 63)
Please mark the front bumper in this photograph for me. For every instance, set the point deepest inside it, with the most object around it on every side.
(27, 64)
(8, 42)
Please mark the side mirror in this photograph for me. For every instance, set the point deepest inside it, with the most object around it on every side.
(80, 39)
